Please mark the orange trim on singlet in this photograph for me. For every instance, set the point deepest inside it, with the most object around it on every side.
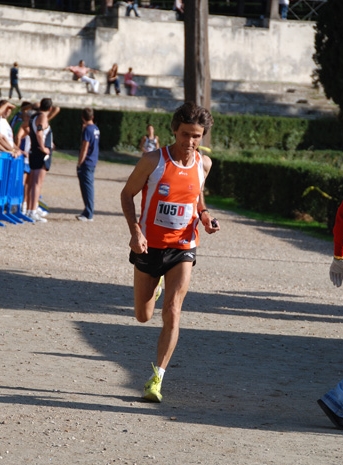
(169, 215)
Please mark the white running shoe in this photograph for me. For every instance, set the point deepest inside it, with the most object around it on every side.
(37, 218)
(41, 212)
(83, 218)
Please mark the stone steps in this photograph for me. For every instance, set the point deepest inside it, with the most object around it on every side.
(167, 93)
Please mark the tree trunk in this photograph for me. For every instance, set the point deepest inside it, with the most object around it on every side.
(197, 78)
(274, 9)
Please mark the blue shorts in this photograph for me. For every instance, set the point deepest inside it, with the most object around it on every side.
(158, 261)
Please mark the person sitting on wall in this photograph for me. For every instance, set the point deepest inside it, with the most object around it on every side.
(80, 73)
(112, 78)
(132, 5)
(129, 83)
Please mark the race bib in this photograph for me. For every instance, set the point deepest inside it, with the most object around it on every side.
(173, 215)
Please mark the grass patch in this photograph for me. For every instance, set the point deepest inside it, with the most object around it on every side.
(313, 228)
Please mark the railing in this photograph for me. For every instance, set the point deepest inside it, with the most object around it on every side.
(298, 9)
(305, 9)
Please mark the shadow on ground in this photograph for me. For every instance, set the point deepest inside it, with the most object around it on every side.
(216, 377)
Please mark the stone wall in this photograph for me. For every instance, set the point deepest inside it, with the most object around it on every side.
(154, 44)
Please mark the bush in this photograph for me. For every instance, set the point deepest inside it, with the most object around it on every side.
(245, 132)
(277, 186)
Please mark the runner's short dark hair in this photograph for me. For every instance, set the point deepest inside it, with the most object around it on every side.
(190, 113)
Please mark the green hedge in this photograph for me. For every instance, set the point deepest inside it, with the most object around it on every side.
(263, 177)
(125, 129)
(273, 186)
(247, 131)
(117, 128)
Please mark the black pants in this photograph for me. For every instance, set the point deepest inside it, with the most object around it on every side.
(16, 87)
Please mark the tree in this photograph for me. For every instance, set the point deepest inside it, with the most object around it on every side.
(329, 51)
(197, 79)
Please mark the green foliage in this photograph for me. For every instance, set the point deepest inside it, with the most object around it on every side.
(117, 128)
(246, 132)
(264, 163)
(329, 50)
(277, 186)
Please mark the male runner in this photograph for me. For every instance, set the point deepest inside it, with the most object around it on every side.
(163, 242)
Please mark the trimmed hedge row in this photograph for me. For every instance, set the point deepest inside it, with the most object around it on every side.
(273, 186)
(125, 129)
(247, 131)
(117, 128)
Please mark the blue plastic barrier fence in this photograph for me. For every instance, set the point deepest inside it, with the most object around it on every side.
(11, 189)
(5, 161)
(15, 190)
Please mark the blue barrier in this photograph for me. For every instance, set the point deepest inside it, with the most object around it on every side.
(11, 189)
(5, 161)
(15, 190)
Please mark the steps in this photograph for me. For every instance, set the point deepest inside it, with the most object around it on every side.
(160, 93)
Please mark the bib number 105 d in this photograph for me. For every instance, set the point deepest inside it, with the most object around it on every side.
(173, 215)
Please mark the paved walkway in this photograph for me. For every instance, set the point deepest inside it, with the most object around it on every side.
(261, 340)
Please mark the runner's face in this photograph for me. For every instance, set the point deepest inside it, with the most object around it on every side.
(188, 137)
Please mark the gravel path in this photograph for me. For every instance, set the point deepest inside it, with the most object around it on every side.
(260, 342)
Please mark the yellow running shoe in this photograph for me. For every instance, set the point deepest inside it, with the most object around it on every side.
(152, 388)
(159, 289)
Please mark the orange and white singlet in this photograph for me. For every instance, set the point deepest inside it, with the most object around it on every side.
(170, 197)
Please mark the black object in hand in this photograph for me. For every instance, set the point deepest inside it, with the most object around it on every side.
(214, 223)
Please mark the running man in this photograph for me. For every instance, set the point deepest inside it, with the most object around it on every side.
(164, 240)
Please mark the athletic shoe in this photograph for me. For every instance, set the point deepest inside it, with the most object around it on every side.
(37, 218)
(152, 388)
(41, 212)
(83, 218)
(159, 289)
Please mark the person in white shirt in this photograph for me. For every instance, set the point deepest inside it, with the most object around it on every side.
(6, 133)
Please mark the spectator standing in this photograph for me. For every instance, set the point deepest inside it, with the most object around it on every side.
(332, 402)
(129, 83)
(164, 240)
(283, 6)
(88, 159)
(40, 154)
(6, 132)
(112, 78)
(132, 5)
(23, 141)
(14, 80)
(80, 72)
(150, 142)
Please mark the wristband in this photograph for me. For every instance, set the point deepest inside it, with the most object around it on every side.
(202, 211)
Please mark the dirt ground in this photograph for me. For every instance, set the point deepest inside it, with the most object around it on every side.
(261, 340)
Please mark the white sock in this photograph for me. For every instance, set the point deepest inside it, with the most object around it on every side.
(161, 372)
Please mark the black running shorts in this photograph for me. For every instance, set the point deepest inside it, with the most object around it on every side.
(158, 261)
